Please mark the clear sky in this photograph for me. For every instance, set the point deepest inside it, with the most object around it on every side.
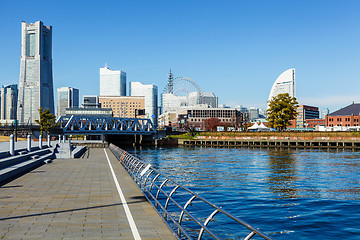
(235, 49)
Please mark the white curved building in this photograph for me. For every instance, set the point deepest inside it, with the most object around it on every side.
(285, 83)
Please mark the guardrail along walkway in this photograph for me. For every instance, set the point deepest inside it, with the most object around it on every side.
(78, 198)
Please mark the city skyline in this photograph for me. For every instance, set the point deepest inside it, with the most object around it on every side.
(226, 48)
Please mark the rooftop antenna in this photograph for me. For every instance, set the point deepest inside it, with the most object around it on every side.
(170, 82)
(106, 65)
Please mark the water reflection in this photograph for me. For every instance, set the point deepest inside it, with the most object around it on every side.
(282, 173)
(294, 194)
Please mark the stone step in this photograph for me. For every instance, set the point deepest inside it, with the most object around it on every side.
(13, 160)
(21, 168)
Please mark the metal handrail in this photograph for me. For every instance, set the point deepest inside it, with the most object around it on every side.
(152, 185)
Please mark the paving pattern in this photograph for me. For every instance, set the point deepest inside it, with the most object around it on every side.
(76, 199)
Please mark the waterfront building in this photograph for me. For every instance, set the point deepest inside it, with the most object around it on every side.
(8, 103)
(91, 101)
(150, 92)
(197, 115)
(345, 117)
(172, 102)
(36, 81)
(67, 97)
(167, 119)
(313, 123)
(305, 113)
(285, 83)
(253, 113)
(112, 83)
(208, 98)
(97, 112)
(124, 106)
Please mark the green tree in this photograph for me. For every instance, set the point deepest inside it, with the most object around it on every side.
(47, 120)
(282, 109)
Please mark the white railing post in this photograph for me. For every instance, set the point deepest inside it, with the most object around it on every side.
(59, 138)
(48, 140)
(29, 143)
(40, 141)
(12, 145)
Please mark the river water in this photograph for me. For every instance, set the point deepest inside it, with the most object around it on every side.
(290, 194)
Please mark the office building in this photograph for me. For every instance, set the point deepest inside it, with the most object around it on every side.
(36, 81)
(67, 97)
(123, 106)
(171, 102)
(150, 92)
(253, 113)
(8, 103)
(285, 83)
(207, 98)
(167, 119)
(91, 101)
(197, 115)
(112, 83)
(304, 113)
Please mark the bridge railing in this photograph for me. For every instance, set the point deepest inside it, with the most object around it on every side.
(186, 213)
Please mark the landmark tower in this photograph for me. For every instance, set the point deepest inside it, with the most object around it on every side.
(36, 81)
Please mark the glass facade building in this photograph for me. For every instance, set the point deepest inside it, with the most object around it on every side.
(36, 81)
(8, 101)
(67, 97)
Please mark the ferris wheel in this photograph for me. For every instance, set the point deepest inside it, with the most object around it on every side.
(181, 86)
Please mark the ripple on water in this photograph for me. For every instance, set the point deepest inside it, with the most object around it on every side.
(291, 194)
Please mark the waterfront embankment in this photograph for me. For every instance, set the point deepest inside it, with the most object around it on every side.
(345, 140)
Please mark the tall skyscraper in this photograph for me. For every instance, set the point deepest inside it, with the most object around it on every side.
(67, 97)
(285, 83)
(112, 83)
(150, 92)
(36, 81)
(8, 101)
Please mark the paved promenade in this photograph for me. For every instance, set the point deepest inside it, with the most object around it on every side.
(78, 199)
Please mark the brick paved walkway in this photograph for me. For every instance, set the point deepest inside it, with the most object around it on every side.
(76, 198)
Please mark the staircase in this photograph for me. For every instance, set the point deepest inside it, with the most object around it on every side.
(23, 161)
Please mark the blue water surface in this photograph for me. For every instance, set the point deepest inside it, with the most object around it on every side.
(290, 194)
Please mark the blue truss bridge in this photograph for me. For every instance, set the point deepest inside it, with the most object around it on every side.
(92, 125)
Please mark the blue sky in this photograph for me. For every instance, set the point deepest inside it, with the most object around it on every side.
(235, 49)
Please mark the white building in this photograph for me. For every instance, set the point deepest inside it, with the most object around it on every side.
(285, 83)
(150, 92)
(67, 97)
(207, 98)
(112, 83)
(36, 81)
(171, 102)
(8, 101)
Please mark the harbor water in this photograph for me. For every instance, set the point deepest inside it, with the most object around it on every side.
(289, 194)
